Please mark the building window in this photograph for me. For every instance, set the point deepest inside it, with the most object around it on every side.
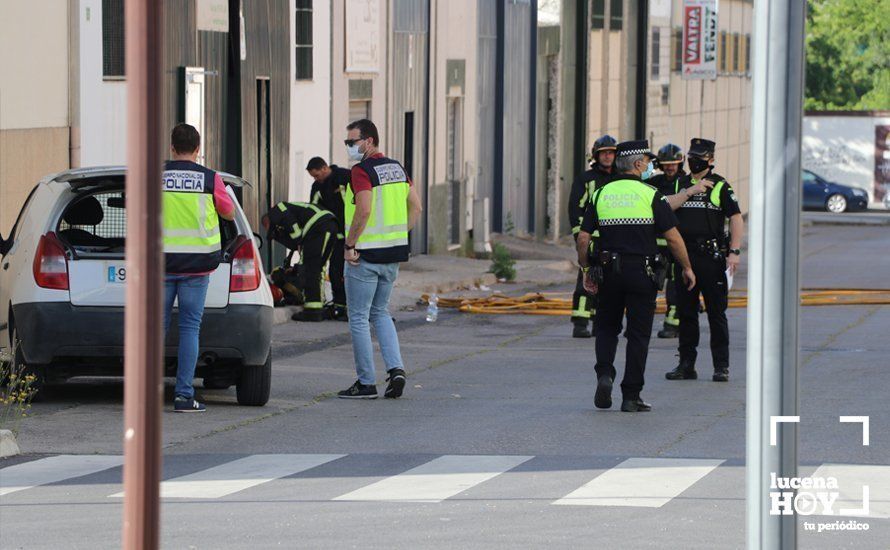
(303, 26)
(616, 14)
(598, 15)
(735, 53)
(113, 38)
(656, 52)
(665, 94)
(721, 55)
(747, 63)
(360, 94)
(677, 58)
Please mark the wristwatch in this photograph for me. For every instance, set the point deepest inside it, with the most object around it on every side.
(736, 251)
(347, 247)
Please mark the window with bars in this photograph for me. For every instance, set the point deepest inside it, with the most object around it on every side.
(677, 57)
(735, 52)
(303, 26)
(598, 15)
(656, 53)
(616, 15)
(721, 55)
(113, 38)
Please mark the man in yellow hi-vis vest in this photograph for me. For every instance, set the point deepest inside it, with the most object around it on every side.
(193, 196)
(627, 271)
(381, 207)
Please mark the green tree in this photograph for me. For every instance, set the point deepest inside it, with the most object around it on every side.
(848, 55)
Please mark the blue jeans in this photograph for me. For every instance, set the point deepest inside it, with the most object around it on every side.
(368, 287)
(192, 291)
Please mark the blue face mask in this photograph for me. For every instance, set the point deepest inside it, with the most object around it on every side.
(354, 153)
(647, 173)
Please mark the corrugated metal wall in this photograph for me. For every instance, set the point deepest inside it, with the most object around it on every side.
(410, 89)
(268, 45)
(485, 107)
(517, 97)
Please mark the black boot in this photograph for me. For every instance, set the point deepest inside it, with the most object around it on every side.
(669, 331)
(308, 315)
(721, 374)
(684, 371)
(635, 405)
(580, 330)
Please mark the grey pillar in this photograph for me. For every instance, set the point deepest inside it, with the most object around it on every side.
(774, 281)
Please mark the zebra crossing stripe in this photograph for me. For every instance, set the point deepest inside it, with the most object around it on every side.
(437, 479)
(851, 481)
(53, 469)
(238, 475)
(643, 482)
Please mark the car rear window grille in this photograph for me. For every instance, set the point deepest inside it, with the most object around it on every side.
(112, 224)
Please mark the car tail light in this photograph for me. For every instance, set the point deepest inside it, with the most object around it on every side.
(245, 268)
(51, 263)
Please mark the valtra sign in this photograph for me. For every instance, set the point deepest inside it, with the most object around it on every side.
(699, 39)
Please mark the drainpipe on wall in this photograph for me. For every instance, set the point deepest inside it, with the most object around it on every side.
(640, 100)
(74, 84)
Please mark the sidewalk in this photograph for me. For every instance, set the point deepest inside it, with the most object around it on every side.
(543, 264)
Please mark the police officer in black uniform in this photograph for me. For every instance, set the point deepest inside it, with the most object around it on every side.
(702, 224)
(603, 153)
(670, 162)
(327, 193)
(625, 271)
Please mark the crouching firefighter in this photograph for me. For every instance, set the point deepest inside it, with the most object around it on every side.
(313, 232)
(603, 152)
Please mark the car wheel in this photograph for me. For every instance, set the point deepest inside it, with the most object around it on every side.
(217, 383)
(19, 367)
(255, 383)
(836, 203)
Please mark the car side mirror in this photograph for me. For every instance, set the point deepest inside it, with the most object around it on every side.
(258, 240)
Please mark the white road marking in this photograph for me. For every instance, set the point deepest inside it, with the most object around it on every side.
(53, 469)
(851, 478)
(644, 482)
(437, 479)
(238, 475)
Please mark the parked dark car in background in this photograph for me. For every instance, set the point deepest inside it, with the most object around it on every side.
(821, 194)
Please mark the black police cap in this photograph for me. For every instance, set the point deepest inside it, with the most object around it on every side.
(701, 147)
(633, 148)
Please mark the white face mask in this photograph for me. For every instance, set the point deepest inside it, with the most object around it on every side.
(354, 153)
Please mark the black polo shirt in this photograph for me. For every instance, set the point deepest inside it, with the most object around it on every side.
(328, 194)
(664, 184)
(632, 238)
(700, 218)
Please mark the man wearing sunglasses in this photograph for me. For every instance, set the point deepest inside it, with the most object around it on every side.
(381, 206)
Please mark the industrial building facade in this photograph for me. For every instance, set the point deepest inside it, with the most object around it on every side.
(491, 104)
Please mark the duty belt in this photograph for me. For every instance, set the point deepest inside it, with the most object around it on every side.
(710, 247)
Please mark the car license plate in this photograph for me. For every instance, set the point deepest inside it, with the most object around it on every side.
(116, 274)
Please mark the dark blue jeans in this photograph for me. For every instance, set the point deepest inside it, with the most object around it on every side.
(191, 291)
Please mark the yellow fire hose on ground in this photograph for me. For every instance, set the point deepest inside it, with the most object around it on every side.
(560, 303)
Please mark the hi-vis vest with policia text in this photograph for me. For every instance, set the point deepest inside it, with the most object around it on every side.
(385, 238)
(625, 217)
(191, 224)
(702, 215)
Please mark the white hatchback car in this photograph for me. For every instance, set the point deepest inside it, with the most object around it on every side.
(62, 281)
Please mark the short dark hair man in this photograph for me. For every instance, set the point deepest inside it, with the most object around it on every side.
(191, 249)
(381, 207)
(328, 188)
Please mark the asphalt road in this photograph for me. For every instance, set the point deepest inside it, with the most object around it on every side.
(496, 443)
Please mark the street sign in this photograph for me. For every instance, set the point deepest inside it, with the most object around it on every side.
(699, 40)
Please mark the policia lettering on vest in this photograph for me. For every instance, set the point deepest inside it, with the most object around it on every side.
(313, 231)
(703, 227)
(625, 270)
(600, 172)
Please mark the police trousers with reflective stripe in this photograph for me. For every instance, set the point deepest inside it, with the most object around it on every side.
(318, 247)
(631, 290)
(583, 304)
(710, 277)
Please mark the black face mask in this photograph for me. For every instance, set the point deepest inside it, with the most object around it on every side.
(697, 165)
